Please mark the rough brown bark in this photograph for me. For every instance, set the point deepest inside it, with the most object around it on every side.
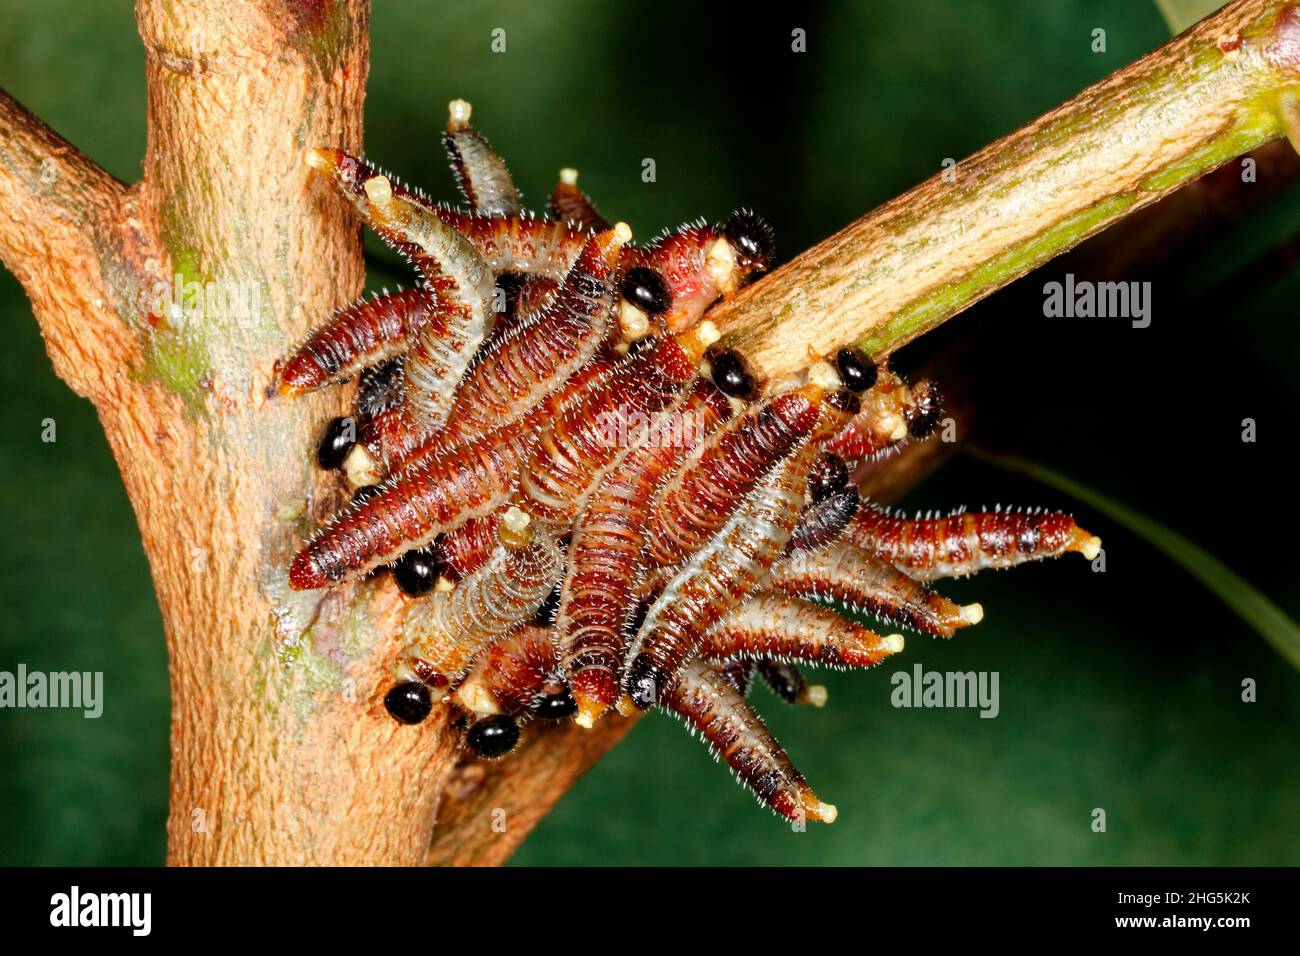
(281, 752)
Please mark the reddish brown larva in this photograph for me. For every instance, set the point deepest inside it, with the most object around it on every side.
(556, 405)
(731, 565)
(365, 333)
(443, 632)
(770, 625)
(510, 675)
(575, 449)
(539, 353)
(430, 498)
(606, 555)
(704, 698)
(857, 579)
(706, 489)
(967, 542)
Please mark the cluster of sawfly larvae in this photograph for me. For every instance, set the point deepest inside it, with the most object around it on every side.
(588, 500)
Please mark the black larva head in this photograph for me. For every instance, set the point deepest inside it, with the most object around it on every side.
(493, 736)
(856, 369)
(416, 572)
(731, 376)
(408, 702)
(923, 414)
(751, 239)
(647, 290)
(340, 435)
(556, 706)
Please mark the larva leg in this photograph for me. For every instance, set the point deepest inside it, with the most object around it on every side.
(787, 681)
(967, 542)
(569, 204)
(424, 500)
(606, 553)
(445, 632)
(703, 697)
(849, 575)
(537, 354)
(892, 412)
(781, 627)
(365, 333)
(576, 448)
(512, 675)
(731, 565)
(467, 548)
(480, 173)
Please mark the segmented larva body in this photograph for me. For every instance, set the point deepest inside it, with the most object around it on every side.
(511, 675)
(854, 577)
(445, 632)
(575, 449)
(703, 697)
(480, 172)
(823, 522)
(606, 555)
(570, 204)
(363, 334)
(730, 566)
(430, 498)
(539, 353)
(891, 413)
(967, 542)
(770, 625)
(698, 497)
(464, 550)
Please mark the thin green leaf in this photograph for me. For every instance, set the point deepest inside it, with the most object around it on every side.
(1253, 607)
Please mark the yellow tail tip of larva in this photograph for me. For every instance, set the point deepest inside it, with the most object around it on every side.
(458, 114)
(317, 159)
(622, 232)
(816, 809)
(815, 695)
(1091, 547)
(569, 176)
(589, 711)
(892, 644)
(971, 613)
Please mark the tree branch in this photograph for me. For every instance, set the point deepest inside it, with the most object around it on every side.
(59, 238)
(1224, 87)
(282, 752)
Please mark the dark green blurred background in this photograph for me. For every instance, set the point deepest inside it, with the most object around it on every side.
(1118, 690)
